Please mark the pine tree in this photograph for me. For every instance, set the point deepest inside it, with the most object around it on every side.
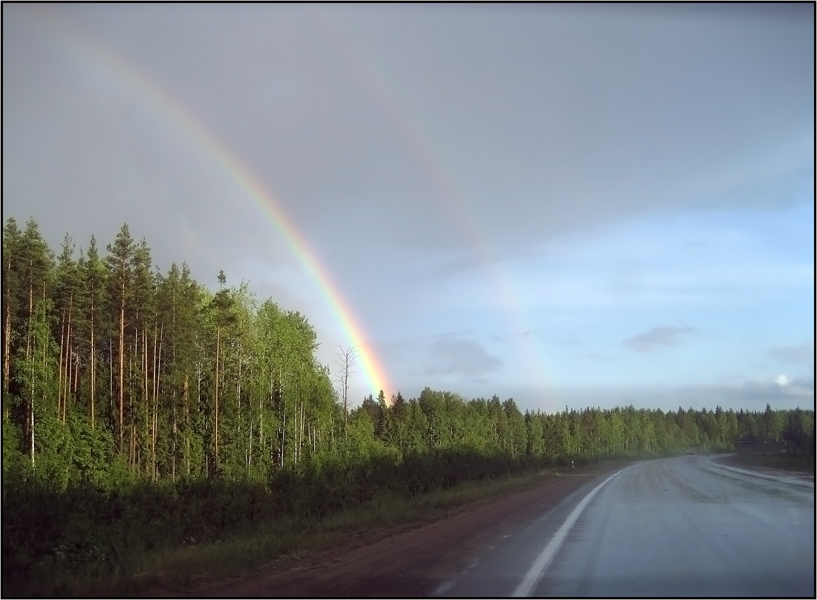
(224, 317)
(66, 295)
(120, 280)
(146, 346)
(12, 272)
(35, 268)
(94, 281)
(35, 372)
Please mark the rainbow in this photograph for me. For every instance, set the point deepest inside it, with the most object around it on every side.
(173, 110)
(421, 139)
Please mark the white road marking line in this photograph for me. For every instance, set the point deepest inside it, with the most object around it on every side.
(535, 572)
(443, 588)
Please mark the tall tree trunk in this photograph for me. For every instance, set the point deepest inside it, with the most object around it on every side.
(215, 430)
(238, 393)
(69, 373)
(298, 426)
(30, 315)
(157, 371)
(68, 367)
(93, 366)
(31, 410)
(153, 420)
(186, 393)
(122, 369)
(198, 403)
(7, 347)
(261, 420)
(146, 395)
(69, 353)
(31, 430)
(283, 437)
(30, 416)
(110, 381)
(303, 417)
(132, 414)
(59, 367)
(77, 364)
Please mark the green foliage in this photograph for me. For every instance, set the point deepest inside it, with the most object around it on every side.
(12, 448)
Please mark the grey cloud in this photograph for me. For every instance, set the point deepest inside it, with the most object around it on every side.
(798, 392)
(590, 106)
(656, 337)
(459, 356)
(798, 355)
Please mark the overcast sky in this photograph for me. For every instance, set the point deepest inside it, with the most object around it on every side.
(570, 205)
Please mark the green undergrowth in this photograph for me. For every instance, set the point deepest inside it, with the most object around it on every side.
(166, 569)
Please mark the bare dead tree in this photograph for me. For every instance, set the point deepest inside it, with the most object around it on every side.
(346, 362)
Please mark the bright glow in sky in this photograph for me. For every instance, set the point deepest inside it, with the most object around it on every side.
(569, 205)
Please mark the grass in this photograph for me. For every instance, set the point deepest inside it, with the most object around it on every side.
(801, 463)
(169, 570)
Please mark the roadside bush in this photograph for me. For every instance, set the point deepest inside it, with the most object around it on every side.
(97, 529)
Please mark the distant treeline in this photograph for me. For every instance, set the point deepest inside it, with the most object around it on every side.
(142, 409)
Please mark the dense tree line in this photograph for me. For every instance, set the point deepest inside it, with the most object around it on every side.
(119, 378)
(113, 369)
(110, 365)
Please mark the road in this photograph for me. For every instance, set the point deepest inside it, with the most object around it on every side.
(670, 527)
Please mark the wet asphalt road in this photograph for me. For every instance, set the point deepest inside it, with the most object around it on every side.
(669, 527)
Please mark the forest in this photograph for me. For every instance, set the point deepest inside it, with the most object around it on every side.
(142, 409)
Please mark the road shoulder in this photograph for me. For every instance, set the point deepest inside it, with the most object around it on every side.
(777, 476)
(403, 561)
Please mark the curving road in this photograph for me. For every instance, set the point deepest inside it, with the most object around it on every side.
(670, 527)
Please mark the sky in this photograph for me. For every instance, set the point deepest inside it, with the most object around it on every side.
(591, 205)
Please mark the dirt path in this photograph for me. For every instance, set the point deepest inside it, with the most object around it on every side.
(405, 561)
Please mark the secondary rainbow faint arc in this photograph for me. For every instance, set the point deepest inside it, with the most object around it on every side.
(373, 371)
(420, 139)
